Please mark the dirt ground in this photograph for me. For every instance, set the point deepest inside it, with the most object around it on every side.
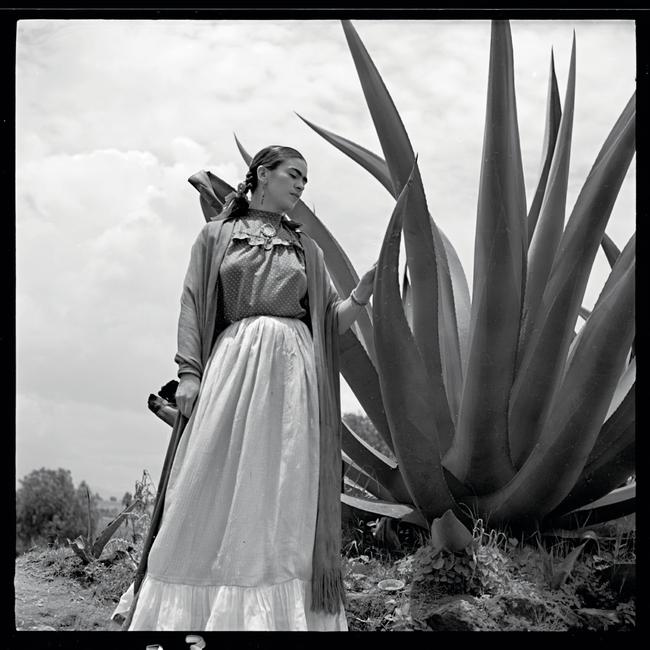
(45, 601)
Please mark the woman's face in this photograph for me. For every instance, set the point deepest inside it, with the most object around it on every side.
(285, 185)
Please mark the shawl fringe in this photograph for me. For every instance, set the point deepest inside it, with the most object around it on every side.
(327, 590)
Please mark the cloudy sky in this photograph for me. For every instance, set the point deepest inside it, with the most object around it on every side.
(113, 116)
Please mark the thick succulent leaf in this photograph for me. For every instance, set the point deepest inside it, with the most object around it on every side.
(460, 298)
(367, 159)
(611, 461)
(626, 115)
(621, 265)
(385, 509)
(610, 249)
(404, 381)
(431, 284)
(212, 191)
(584, 313)
(338, 264)
(480, 453)
(449, 534)
(407, 300)
(375, 464)
(545, 352)
(625, 385)
(553, 116)
(360, 374)
(394, 141)
(577, 413)
(617, 503)
(360, 479)
(612, 252)
(111, 528)
(550, 224)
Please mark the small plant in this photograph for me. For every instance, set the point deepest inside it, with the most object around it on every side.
(558, 564)
(90, 550)
(457, 561)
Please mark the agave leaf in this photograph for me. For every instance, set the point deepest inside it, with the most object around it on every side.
(612, 252)
(611, 460)
(212, 191)
(624, 387)
(394, 141)
(480, 452)
(367, 159)
(622, 263)
(585, 313)
(628, 113)
(374, 463)
(617, 503)
(404, 381)
(407, 300)
(449, 534)
(355, 475)
(610, 249)
(550, 225)
(361, 375)
(431, 284)
(577, 413)
(385, 509)
(111, 528)
(619, 495)
(542, 363)
(563, 570)
(461, 303)
(553, 116)
(602, 477)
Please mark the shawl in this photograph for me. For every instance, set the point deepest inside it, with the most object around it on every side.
(198, 328)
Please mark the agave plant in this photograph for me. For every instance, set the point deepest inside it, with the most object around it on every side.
(492, 405)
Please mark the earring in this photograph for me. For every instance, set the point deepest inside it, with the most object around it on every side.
(262, 199)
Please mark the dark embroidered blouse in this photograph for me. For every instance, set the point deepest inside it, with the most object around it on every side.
(262, 272)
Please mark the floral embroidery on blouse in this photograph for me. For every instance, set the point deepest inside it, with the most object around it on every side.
(258, 226)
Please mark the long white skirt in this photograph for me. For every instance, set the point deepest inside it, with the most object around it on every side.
(234, 548)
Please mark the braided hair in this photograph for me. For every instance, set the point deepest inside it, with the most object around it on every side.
(270, 157)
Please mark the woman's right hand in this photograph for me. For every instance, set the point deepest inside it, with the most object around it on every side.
(188, 389)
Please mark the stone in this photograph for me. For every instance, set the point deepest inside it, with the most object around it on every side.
(598, 619)
(458, 614)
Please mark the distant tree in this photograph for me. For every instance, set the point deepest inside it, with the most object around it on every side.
(113, 498)
(364, 428)
(126, 499)
(49, 508)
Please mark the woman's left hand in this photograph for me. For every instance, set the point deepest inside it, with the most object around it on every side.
(364, 289)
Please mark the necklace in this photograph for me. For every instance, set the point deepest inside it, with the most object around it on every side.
(267, 230)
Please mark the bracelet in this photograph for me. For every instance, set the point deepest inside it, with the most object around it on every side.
(356, 301)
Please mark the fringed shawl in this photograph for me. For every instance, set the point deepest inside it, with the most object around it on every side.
(198, 329)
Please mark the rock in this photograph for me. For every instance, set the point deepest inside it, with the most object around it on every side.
(520, 606)
(458, 614)
(598, 619)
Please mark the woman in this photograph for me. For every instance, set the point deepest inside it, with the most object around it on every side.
(250, 531)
